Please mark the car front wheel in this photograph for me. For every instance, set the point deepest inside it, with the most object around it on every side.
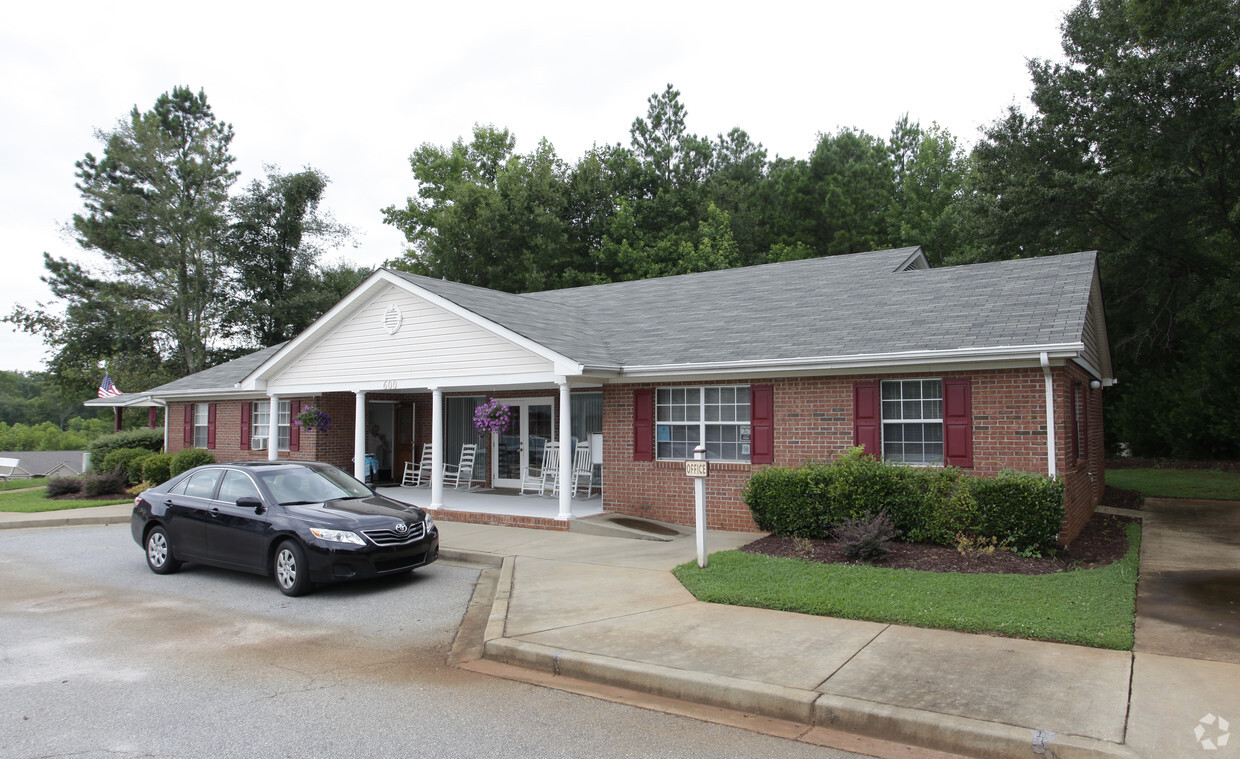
(159, 552)
(291, 571)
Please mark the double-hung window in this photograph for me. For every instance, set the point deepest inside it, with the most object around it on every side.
(202, 422)
(715, 415)
(260, 422)
(913, 421)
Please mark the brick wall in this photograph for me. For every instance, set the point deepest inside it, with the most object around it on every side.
(814, 420)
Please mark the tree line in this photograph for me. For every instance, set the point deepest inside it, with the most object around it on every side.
(1130, 149)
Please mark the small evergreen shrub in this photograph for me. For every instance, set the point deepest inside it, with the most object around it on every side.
(925, 504)
(867, 538)
(122, 459)
(188, 459)
(157, 468)
(100, 447)
(62, 486)
(98, 485)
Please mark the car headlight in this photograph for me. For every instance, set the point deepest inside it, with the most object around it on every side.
(430, 523)
(337, 536)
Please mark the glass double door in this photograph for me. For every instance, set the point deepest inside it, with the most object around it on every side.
(531, 427)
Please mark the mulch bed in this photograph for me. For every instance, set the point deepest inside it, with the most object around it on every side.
(1101, 542)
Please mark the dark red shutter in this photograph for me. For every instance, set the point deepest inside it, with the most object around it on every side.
(1087, 395)
(643, 424)
(762, 424)
(868, 418)
(958, 421)
(1076, 438)
(246, 408)
(294, 432)
(189, 425)
(211, 425)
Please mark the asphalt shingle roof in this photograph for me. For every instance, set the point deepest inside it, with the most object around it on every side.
(218, 378)
(814, 308)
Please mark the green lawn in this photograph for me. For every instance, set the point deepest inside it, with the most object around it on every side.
(35, 482)
(1209, 484)
(31, 501)
(1093, 607)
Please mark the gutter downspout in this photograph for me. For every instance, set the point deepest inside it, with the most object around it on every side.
(1050, 415)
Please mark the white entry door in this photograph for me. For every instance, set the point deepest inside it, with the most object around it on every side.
(519, 446)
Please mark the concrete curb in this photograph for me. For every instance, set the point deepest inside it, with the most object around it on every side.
(470, 557)
(932, 730)
(61, 521)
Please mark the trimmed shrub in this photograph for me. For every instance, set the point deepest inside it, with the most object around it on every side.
(157, 468)
(61, 486)
(1024, 510)
(95, 486)
(781, 500)
(123, 459)
(188, 459)
(925, 504)
(148, 439)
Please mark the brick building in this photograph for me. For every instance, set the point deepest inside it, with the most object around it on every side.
(986, 367)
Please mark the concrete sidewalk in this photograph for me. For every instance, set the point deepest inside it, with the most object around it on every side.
(578, 607)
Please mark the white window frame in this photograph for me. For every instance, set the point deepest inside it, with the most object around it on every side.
(260, 420)
(907, 420)
(697, 418)
(202, 424)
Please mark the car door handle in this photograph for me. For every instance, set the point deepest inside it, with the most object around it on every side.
(215, 512)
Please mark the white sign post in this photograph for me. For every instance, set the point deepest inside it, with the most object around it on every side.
(698, 468)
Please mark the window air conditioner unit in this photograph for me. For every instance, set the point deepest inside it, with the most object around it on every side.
(258, 444)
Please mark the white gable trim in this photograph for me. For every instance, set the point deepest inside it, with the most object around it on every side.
(373, 287)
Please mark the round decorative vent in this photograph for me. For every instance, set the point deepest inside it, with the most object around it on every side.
(392, 319)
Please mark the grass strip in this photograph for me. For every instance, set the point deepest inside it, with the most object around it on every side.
(32, 501)
(1088, 607)
(1207, 484)
(33, 482)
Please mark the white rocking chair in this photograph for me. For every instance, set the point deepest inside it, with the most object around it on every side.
(546, 477)
(463, 470)
(417, 475)
(583, 469)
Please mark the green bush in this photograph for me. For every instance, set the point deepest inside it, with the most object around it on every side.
(926, 504)
(1025, 510)
(148, 439)
(123, 460)
(188, 459)
(157, 468)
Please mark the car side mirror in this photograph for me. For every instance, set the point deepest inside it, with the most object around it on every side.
(251, 502)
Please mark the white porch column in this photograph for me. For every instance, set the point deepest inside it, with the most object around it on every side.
(273, 428)
(359, 435)
(436, 448)
(1050, 415)
(566, 453)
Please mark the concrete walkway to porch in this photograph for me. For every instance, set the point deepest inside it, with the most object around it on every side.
(479, 505)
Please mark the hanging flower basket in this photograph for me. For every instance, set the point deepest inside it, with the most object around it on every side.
(492, 417)
(313, 419)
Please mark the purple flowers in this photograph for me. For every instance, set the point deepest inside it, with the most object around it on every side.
(492, 416)
(313, 419)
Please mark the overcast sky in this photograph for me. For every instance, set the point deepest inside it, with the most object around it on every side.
(353, 88)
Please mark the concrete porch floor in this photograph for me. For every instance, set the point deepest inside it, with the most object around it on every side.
(509, 506)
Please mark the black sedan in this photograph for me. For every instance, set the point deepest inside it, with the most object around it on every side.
(300, 522)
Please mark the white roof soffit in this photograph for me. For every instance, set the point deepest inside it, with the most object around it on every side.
(374, 285)
(1004, 355)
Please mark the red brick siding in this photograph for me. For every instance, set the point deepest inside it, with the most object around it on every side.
(814, 420)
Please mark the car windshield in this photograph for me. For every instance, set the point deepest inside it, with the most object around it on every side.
(306, 485)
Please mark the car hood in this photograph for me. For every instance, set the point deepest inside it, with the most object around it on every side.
(358, 512)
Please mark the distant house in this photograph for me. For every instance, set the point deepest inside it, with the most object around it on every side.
(984, 367)
(47, 463)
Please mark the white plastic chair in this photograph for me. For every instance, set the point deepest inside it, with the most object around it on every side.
(463, 470)
(417, 475)
(583, 469)
(545, 477)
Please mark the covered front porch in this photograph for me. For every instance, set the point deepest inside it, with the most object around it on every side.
(497, 506)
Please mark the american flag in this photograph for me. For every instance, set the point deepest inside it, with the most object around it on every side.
(106, 388)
